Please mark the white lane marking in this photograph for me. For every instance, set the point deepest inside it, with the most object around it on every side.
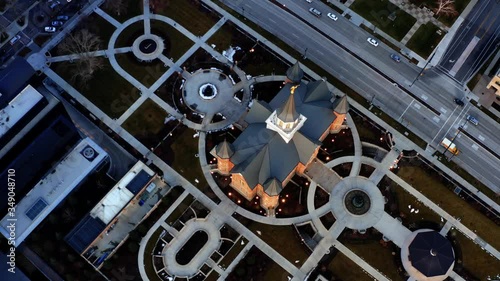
(475, 147)
(436, 119)
(424, 97)
(417, 106)
(443, 110)
(481, 138)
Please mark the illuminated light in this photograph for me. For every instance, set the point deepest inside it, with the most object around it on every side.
(279, 210)
(255, 202)
(239, 201)
(256, 197)
(283, 200)
(381, 139)
(229, 193)
(307, 183)
(286, 195)
(327, 157)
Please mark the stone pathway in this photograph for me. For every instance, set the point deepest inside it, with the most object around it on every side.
(410, 33)
(222, 212)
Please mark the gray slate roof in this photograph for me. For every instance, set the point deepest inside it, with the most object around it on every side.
(295, 73)
(262, 156)
(272, 187)
(341, 105)
(287, 112)
(223, 150)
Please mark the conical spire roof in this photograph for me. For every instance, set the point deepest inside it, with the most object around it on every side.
(341, 106)
(295, 73)
(224, 150)
(272, 187)
(287, 112)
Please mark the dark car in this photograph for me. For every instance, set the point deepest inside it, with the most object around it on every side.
(459, 102)
(62, 17)
(57, 23)
(395, 57)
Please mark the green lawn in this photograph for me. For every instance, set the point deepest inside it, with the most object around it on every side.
(100, 27)
(433, 189)
(107, 89)
(146, 120)
(377, 13)
(345, 269)
(176, 44)
(134, 8)
(425, 39)
(233, 253)
(144, 72)
(404, 199)
(283, 239)
(377, 256)
(190, 14)
(185, 162)
(477, 261)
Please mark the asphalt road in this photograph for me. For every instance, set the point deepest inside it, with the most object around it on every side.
(484, 23)
(433, 88)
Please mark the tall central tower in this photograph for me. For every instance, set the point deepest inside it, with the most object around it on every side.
(285, 120)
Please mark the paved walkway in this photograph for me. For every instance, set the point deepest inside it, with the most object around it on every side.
(224, 210)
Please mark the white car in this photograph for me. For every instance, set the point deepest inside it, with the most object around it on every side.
(50, 29)
(332, 16)
(309, 1)
(372, 41)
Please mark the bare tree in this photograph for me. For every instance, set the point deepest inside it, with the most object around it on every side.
(445, 8)
(84, 45)
(116, 6)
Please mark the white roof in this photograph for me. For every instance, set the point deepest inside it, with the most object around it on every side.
(17, 108)
(52, 189)
(119, 196)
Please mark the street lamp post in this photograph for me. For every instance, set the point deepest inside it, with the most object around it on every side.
(421, 73)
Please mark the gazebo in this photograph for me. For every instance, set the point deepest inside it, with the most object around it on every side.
(427, 255)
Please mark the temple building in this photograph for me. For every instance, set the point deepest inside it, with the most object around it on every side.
(280, 138)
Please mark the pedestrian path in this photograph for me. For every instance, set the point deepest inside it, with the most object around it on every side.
(410, 33)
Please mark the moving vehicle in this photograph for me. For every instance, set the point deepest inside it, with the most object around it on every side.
(332, 16)
(459, 102)
(15, 39)
(472, 119)
(451, 147)
(309, 1)
(372, 41)
(57, 23)
(315, 12)
(49, 29)
(54, 4)
(395, 57)
(62, 17)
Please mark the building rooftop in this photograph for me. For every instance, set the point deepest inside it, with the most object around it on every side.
(53, 188)
(14, 78)
(120, 195)
(33, 161)
(17, 108)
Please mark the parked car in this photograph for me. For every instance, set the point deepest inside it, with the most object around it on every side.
(395, 57)
(472, 119)
(50, 29)
(309, 1)
(62, 17)
(332, 16)
(459, 102)
(15, 39)
(54, 4)
(315, 12)
(372, 41)
(57, 23)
